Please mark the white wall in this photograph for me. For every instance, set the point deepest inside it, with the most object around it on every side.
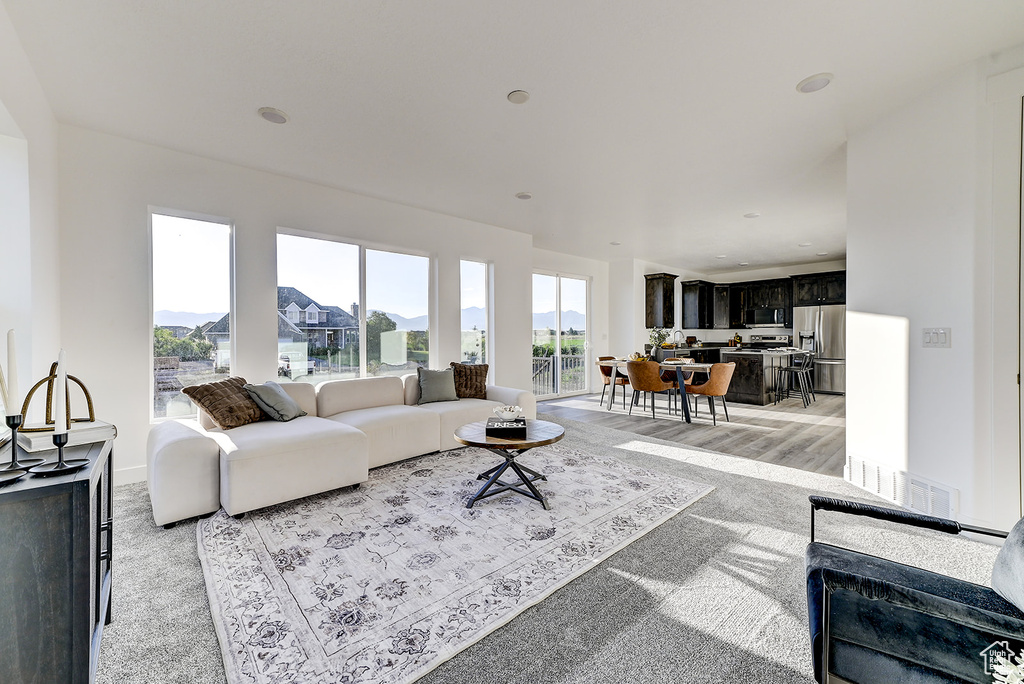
(557, 263)
(922, 252)
(29, 275)
(107, 186)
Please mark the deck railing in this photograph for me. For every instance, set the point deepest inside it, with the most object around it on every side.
(573, 374)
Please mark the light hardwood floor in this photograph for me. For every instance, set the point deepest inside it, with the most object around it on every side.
(812, 439)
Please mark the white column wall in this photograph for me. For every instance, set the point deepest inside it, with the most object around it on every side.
(108, 185)
(29, 276)
(922, 252)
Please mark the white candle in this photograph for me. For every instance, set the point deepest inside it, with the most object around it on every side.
(3, 393)
(60, 411)
(12, 376)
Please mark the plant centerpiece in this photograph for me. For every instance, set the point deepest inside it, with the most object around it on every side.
(658, 336)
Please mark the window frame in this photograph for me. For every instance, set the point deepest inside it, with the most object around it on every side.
(152, 210)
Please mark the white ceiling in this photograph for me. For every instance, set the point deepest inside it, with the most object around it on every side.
(656, 123)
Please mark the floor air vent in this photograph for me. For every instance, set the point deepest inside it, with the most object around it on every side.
(910, 491)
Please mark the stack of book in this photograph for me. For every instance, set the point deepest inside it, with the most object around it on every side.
(506, 429)
(80, 433)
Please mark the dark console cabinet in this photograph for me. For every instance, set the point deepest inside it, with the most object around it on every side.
(55, 570)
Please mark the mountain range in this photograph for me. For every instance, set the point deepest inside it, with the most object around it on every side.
(186, 318)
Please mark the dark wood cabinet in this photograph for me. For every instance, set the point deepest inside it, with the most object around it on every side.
(55, 570)
(698, 301)
(720, 305)
(819, 288)
(660, 304)
(738, 298)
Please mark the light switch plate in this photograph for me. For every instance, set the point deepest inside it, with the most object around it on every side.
(937, 338)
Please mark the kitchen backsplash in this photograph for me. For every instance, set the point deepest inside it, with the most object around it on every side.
(726, 335)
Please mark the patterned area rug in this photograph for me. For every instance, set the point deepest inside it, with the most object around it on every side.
(384, 583)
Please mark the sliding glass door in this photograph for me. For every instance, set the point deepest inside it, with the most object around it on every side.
(560, 306)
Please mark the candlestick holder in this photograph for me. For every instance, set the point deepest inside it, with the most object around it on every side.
(14, 422)
(60, 465)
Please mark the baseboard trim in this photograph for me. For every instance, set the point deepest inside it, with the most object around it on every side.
(129, 475)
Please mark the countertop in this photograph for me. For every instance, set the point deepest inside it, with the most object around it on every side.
(762, 352)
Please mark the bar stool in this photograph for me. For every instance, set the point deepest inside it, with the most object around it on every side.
(801, 372)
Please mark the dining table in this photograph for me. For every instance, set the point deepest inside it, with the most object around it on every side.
(681, 368)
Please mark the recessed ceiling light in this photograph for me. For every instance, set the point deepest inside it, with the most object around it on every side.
(524, 195)
(614, 243)
(752, 214)
(273, 115)
(822, 254)
(518, 97)
(721, 256)
(804, 244)
(744, 263)
(813, 84)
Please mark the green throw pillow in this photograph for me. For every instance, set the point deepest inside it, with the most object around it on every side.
(274, 401)
(436, 385)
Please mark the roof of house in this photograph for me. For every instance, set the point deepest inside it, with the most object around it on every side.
(222, 326)
(286, 328)
(336, 316)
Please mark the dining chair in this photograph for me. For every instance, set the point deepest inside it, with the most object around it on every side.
(800, 371)
(717, 386)
(606, 376)
(645, 376)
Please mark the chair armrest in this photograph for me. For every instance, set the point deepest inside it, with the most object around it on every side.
(988, 619)
(509, 396)
(824, 503)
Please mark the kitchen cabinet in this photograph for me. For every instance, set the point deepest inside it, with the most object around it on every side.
(759, 294)
(660, 303)
(819, 288)
(738, 297)
(720, 303)
(698, 303)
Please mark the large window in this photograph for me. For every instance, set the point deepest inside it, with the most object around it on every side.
(474, 311)
(317, 309)
(191, 296)
(320, 321)
(397, 287)
(560, 307)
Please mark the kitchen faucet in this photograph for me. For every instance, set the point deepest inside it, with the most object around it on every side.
(675, 337)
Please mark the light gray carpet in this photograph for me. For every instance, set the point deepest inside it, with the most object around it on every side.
(715, 594)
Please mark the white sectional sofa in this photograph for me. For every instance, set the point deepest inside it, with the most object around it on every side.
(352, 426)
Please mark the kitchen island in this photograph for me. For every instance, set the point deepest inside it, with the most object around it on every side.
(753, 382)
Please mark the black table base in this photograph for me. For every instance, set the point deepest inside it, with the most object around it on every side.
(495, 486)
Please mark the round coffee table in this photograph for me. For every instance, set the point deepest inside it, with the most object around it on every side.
(538, 433)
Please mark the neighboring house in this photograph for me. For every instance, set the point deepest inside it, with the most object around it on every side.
(180, 332)
(323, 326)
(299, 319)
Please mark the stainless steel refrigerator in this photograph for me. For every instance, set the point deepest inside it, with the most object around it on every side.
(822, 329)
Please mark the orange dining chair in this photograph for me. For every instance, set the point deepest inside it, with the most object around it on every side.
(645, 376)
(716, 386)
(606, 376)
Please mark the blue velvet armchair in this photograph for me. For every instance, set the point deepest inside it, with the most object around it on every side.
(874, 621)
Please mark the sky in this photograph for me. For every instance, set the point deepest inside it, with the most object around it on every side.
(574, 294)
(191, 265)
(191, 272)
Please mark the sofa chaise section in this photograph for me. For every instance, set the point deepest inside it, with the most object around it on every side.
(268, 462)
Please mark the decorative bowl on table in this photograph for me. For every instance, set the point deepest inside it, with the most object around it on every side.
(508, 412)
